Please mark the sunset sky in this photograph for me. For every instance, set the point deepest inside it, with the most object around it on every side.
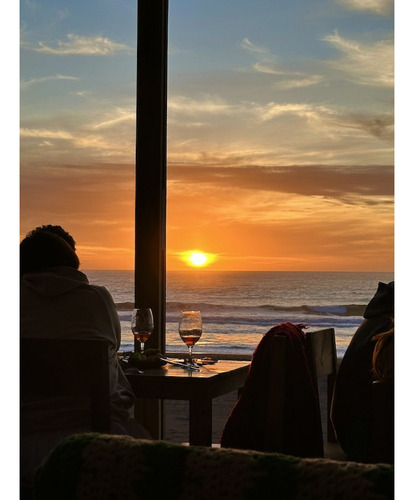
(280, 131)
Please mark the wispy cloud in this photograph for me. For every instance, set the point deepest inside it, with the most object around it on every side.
(256, 48)
(82, 93)
(299, 82)
(262, 112)
(81, 45)
(45, 134)
(207, 104)
(102, 145)
(381, 126)
(348, 184)
(364, 63)
(34, 81)
(308, 111)
(270, 131)
(382, 7)
(117, 116)
(267, 62)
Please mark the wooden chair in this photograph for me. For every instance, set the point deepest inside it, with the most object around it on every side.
(54, 372)
(288, 425)
(58, 369)
(321, 347)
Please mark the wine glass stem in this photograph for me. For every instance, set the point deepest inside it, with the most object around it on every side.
(190, 351)
(142, 347)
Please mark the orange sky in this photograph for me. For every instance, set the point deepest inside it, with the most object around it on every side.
(284, 218)
(280, 132)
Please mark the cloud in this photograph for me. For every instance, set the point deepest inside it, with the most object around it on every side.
(308, 111)
(82, 93)
(262, 112)
(257, 49)
(207, 104)
(34, 81)
(364, 63)
(267, 62)
(299, 82)
(121, 115)
(64, 144)
(256, 133)
(337, 215)
(382, 7)
(44, 133)
(341, 182)
(378, 126)
(92, 133)
(82, 45)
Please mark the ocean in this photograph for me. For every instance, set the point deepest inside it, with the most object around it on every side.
(237, 308)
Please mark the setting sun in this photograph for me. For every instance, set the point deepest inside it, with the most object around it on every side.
(197, 258)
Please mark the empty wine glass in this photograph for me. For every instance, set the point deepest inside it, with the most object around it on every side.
(142, 325)
(190, 328)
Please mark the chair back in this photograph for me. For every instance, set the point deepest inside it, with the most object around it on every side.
(278, 410)
(58, 369)
(322, 356)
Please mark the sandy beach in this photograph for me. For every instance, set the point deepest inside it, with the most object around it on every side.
(177, 416)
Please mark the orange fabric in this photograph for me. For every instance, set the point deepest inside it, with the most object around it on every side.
(245, 427)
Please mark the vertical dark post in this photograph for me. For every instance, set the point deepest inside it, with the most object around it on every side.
(150, 189)
(151, 151)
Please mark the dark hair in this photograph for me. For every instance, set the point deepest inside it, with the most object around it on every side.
(49, 228)
(42, 249)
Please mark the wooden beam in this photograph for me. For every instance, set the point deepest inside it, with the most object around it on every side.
(151, 163)
(150, 184)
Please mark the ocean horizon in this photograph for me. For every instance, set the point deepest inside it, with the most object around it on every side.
(238, 307)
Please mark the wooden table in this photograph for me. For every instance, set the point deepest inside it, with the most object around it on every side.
(198, 387)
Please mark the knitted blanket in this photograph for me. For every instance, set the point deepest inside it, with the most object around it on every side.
(104, 467)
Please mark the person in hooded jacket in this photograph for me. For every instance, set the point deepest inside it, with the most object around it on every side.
(57, 301)
(352, 407)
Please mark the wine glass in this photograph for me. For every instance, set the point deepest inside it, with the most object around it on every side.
(142, 325)
(190, 328)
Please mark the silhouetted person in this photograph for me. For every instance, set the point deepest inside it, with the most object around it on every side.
(352, 409)
(57, 301)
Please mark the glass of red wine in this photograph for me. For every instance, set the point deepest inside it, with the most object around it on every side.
(142, 325)
(190, 328)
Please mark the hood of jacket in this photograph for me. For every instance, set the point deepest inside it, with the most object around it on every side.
(382, 302)
(53, 281)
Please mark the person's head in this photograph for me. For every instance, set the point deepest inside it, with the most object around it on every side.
(50, 228)
(41, 250)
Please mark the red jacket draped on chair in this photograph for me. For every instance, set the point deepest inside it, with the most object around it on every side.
(302, 428)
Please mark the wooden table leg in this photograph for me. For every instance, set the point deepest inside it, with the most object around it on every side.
(201, 415)
(150, 414)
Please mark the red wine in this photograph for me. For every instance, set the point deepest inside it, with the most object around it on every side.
(190, 337)
(142, 336)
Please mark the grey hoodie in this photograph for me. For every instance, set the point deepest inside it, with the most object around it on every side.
(59, 302)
